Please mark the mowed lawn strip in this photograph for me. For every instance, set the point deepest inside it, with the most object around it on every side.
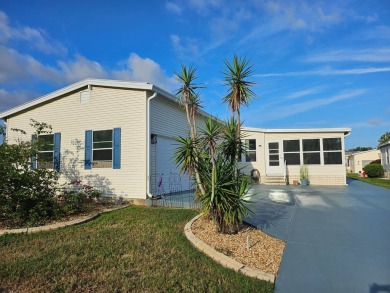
(375, 181)
(136, 249)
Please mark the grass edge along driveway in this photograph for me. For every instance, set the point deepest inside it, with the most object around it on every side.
(135, 249)
(385, 183)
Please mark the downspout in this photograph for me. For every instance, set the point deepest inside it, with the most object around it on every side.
(149, 195)
(345, 135)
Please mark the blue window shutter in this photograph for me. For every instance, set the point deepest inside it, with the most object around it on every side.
(57, 154)
(33, 156)
(117, 149)
(88, 150)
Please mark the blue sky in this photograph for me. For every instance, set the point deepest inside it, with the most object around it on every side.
(316, 63)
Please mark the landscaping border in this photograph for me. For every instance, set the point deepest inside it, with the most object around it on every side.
(223, 259)
(59, 225)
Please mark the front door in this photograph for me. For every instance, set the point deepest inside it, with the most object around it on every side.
(274, 157)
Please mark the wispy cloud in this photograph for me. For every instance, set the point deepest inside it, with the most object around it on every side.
(293, 109)
(173, 7)
(368, 55)
(36, 38)
(328, 71)
(303, 93)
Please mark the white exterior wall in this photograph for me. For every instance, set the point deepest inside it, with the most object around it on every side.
(357, 160)
(168, 121)
(385, 154)
(108, 108)
(318, 174)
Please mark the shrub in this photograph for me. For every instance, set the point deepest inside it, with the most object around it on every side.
(378, 161)
(374, 170)
(27, 197)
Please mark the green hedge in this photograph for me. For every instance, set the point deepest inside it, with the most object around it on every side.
(374, 170)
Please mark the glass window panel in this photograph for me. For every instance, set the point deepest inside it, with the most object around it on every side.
(102, 135)
(311, 145)
(102, 145)
(45, 160)
(291, 145)
(312, 158)
(274, 151)
(251, 144)
(332, 144)
(274, 163)
(332, 158)
(250, 156)
(46, 142)
(102, 155)
(273, 146)
(274, 157)
(292, 158)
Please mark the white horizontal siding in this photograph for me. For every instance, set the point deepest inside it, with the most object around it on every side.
(108, 108)
(318, 174)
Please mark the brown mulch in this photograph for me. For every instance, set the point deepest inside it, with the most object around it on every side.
(265, 251)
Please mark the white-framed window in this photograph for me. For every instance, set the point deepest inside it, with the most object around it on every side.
(250, 146)
(291, 152)
(311, 151)
(102, 148)
(332, 151)
(45, 155)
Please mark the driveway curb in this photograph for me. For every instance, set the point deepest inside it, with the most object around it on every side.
(61, 224)
(223, 259)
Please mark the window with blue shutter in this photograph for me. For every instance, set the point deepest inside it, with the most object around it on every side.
(57, 154)
(88, 150)
(33, 157)
(117, 149)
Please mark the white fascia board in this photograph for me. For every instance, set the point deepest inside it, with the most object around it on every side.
(383, 144)
(307, 130)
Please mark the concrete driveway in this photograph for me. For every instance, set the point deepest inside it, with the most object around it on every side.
(337, 238)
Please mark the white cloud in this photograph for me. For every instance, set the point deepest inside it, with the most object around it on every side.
(145, 70)
(172, 7)
(36, 38)
(80, 68)
(9, 99)
(189, 49)
(329, 71)
(368, 55)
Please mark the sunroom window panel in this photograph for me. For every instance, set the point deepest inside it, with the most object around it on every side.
(312, 158)
(332, 144)
(291, 146)
(332, 158)
(311, 145)
(292, 158)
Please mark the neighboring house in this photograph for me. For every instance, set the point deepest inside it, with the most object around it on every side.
(356, 161)
(277, 154)
(117, 136)
(384, 149)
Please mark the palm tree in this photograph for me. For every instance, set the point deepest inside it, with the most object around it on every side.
(210, 136)
(191, 102)
(239, 93)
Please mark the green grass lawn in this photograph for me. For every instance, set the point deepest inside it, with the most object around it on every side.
(376, 181)
(136, 249)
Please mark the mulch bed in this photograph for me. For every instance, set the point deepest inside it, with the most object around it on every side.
(265, 252)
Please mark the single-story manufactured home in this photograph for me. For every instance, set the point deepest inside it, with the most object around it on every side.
(384, 149)
(276, 155)
(117, 136)
(356, 161)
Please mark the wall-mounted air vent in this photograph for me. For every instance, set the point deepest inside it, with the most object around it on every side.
(84, 97)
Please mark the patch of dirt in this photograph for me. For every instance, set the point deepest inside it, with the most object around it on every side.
(265, 252)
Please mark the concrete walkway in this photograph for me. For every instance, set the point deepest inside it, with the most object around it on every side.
(337, 238)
